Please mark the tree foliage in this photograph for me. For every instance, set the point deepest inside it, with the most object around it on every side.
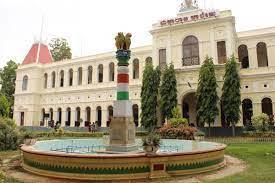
(4, 106)
(149, 96)
(8, 77)
(168, 92)
(231, 93)
(9, 134)
(60, 49)
(207, 97)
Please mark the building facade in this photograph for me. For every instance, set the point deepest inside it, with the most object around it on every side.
(75, 92)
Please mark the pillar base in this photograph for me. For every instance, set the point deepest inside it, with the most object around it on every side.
(122, 135)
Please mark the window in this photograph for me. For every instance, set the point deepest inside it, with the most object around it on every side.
(79, 74)
(53, 79)
(190, 47)
(90, 74)
(45, 80)
(59, 115)
(61, 78)
(135, 114)
(110, 115)
(100, 73)
(25, 83)
(98, 116)
(68, 117)
(243, 56)
(149, 60)
(112, 72)
(88, 116)
(162, 58)
(71, 73)
(221, 48)
(262, 55)
(135, 68)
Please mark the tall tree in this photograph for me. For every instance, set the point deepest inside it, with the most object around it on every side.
(4, 106)
(168, 92)
(207, 97)
(8, 77)
(231, 93)
(60, 49)
(149, 96)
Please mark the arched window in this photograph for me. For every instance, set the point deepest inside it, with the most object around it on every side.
(45, 80)
(221, 49)
(267, 107)
(88, 116)
(77, 117)
(135, 114)
(68, 117)
(42, 122)
(25, 83)
(79, 75)
(262, 55)
(149, 60)
(98, 116)
(61, 78)
(243, 56)
(100, 73)
(71, 75)
(53, 79)
(135, 68)
(112, 72)
(51, 114)
(90, 74)
(59, 116)
(110, 115)
(190, 47)
(247, 110)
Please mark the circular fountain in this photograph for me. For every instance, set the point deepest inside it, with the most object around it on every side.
(84, 159)
(122, 157)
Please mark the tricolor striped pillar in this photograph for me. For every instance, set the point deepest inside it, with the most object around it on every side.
(123, 83)
(122, 106)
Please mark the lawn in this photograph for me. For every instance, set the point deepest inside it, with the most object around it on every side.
(261, 161)
(260, 158)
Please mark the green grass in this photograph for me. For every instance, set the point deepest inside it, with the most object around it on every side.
(261, 161)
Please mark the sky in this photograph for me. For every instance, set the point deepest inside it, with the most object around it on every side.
(91, 25)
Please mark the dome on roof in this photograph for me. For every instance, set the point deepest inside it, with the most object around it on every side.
(39, 53)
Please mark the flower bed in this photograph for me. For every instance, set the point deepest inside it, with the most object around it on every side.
(183, 132)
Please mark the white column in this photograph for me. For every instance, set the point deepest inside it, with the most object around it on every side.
(83, 117)
(75, 77)
(66, 78)
(104, 117)
(73, 117)
(270, 55)
(63, 117)
(252, 54)
(84, 75)
(105, 73)
(213, 46)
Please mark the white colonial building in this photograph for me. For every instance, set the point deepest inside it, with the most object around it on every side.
(84, 89)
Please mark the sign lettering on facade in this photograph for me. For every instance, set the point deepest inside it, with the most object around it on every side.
(195, 17)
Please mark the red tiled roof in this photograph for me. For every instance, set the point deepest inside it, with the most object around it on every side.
(44, 57)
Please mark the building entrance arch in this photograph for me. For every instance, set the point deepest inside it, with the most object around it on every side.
(188, 106)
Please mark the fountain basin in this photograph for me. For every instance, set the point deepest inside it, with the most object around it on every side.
(79, 159)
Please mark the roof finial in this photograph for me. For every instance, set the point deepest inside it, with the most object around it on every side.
(189, 5)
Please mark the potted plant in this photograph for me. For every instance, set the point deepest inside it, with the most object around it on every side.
(29, 138)
(151, 143)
